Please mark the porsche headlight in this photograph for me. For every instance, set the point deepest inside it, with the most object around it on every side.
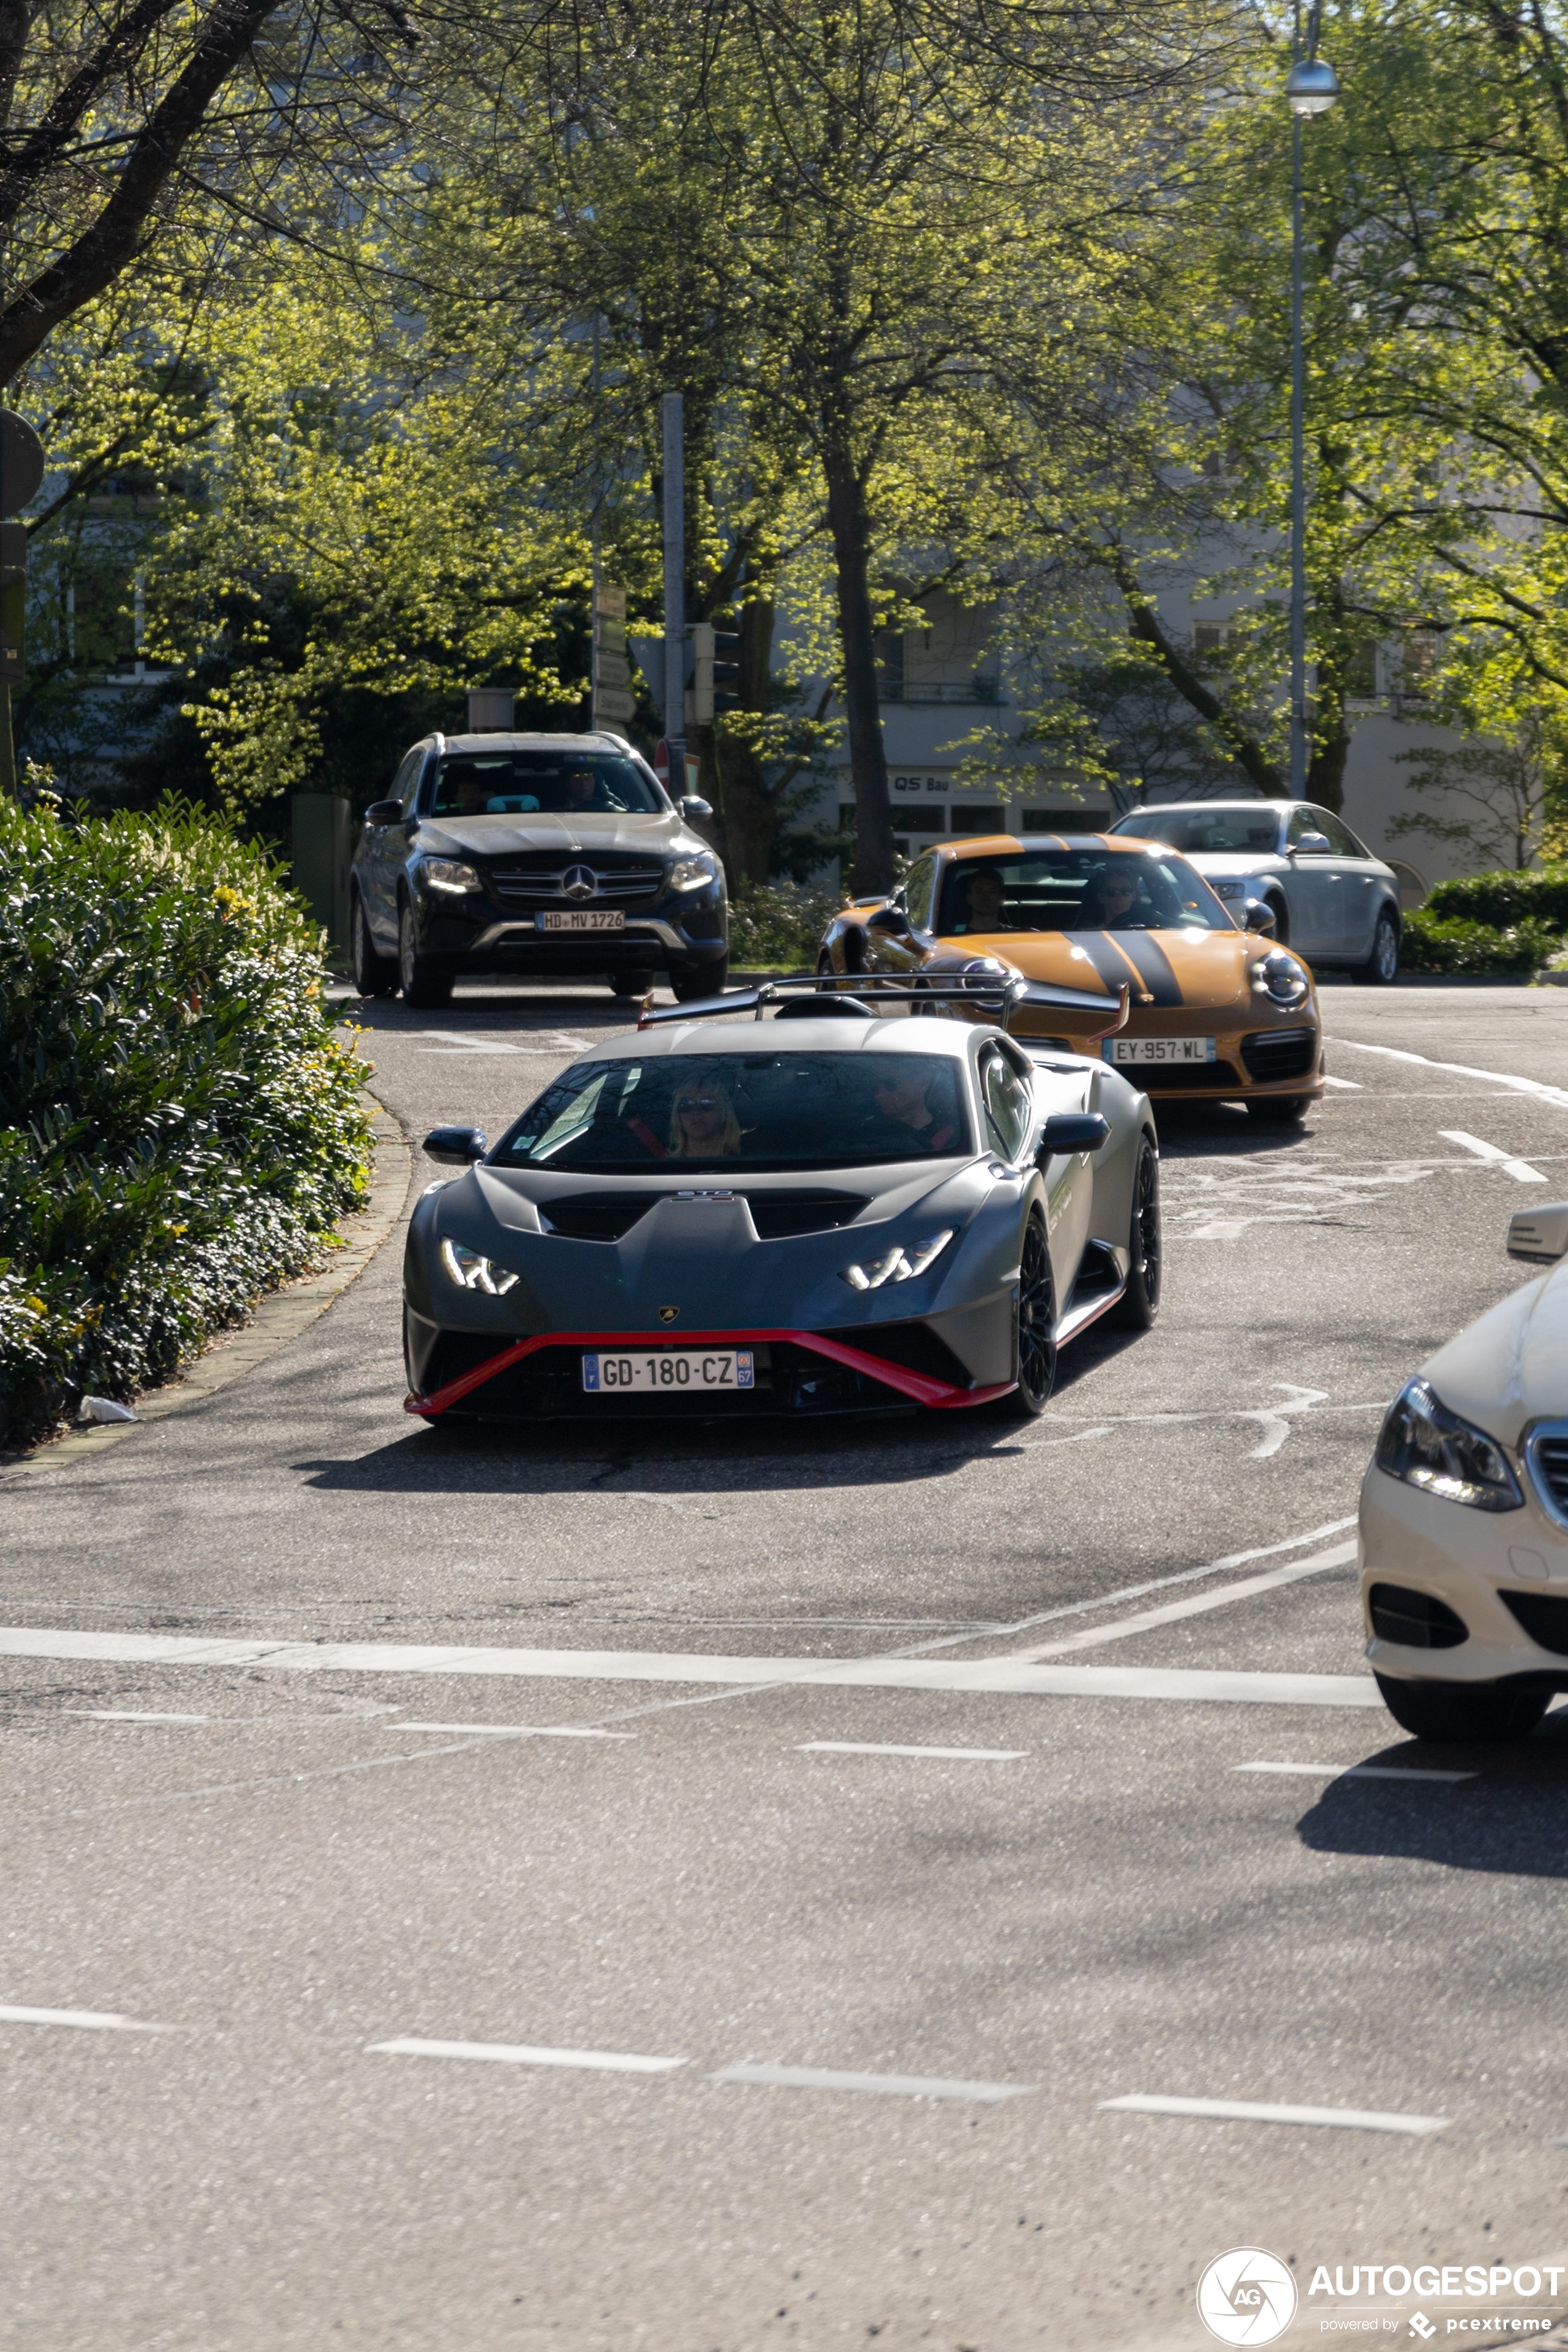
(1280, 978)
(691, 873)
(899, 1265)
(449, 874)
(470, 1271)
(1426, 1445)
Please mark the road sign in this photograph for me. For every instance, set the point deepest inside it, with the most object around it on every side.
(610, 601)
(610, 635)
(610, 702)
(21, 462)
(612, 669)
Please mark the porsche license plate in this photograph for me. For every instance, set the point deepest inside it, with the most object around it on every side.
(675, 1372)
(583, 918)
(1161, 1049)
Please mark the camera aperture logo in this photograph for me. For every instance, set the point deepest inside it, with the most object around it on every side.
(1247, 2296)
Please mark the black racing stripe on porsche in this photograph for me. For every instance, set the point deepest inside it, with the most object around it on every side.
(1148, 959)
(1114, 970)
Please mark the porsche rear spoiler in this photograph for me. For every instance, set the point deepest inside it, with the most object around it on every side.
(1085, 1014)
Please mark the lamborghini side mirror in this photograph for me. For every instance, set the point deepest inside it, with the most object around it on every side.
(462, 1145)
(1071, 1131)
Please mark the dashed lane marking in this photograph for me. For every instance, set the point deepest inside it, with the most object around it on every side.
(897, 2087)
(87, 2021)
(887, 1748)
(1003, 1676)
(1520, 1170)
(1345, 1085)
(1537, 1087)
(515, 1730)
(522, 2053)
(1358, 1772)
(1255, 2111)
(1195, 1603)
(129, 1714)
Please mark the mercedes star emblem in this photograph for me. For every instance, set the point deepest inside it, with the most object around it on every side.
(579, 882)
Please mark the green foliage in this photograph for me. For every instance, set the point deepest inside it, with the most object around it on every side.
(1453, 944)
(779, 925)
(1505, 899)
(179, 1119)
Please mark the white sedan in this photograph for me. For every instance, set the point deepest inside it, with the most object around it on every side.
(1464, 1517)
(1330, 899)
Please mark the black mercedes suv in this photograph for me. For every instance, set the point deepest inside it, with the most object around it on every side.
(559, 854)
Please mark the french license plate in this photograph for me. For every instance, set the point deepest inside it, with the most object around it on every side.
(583, 918)
(674, 1372)
(1161, 1049)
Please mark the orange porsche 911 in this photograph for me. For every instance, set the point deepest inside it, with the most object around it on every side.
(1217, 1012)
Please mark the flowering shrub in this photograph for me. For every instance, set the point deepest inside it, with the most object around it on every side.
(180, 1125)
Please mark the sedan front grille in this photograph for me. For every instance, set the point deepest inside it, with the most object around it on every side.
(1546, 1454)
(1271, 1054)
(536, 878)
(1544, 1617)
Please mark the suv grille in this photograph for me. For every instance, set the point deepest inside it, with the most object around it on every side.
(1272, 1054)
(1546, 1452)
(534, 877)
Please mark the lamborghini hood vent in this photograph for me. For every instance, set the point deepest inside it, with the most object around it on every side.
(778, 1214)
(595, 1216)
(610, 1216)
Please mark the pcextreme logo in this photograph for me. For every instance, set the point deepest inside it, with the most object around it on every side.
(1247, 2296)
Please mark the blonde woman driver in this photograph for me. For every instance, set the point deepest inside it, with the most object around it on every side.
(702, 1122)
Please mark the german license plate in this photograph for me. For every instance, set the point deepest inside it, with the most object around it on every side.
(670, 1371)
(1160, 1049)
(583, 918)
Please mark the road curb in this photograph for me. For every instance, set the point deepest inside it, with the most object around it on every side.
(280, 1318)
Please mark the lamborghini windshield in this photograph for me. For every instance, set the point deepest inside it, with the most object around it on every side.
(730, 1112)
(1076, 890)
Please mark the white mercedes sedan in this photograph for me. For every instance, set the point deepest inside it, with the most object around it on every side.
(1464, 1517)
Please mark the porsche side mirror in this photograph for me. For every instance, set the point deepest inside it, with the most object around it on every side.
(889, 918)
(1313, 845)
(1538, 1232)
(383, 812)
(1071, 1131)
(1257, 915)
(695, 809)
(462, 1145)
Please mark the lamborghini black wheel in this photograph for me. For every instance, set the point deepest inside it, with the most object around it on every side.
(1034, 1325)
(1140, 1303)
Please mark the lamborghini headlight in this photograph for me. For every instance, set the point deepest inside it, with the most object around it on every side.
(691, 873)
(449, 874)
(899, 1265)
(470, 1271)
(1281, 978)
(1425, 1444)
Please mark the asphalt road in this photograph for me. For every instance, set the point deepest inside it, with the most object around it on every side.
(876, 2001)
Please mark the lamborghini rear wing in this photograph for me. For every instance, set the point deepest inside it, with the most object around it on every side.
(998, 995)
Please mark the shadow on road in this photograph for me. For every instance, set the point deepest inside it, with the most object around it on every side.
(1509, 1820)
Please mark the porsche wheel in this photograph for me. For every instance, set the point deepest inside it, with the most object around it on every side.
(1279, 1110)
(374, 974)
(1461, 1713)
(1140, 1303)
(424, 983)
(1034, 1328)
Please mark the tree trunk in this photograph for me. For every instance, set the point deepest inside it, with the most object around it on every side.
(873, 864)
(1232, 731)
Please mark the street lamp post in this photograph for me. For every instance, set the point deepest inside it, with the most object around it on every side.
(1312, 86)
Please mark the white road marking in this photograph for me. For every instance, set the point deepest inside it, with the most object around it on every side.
(1005, 1675)
(516, 1730)
(1275, 1423)
(129, 1714)
(1196, 1603)
(1521, 1170)
(522, 2053)
(89, 2021)
(881, 1748)
(1558, 1095)
(457, 1040)
(1358, 1772)
(1345, 1085)
(1254, 2111)
(900, 2087)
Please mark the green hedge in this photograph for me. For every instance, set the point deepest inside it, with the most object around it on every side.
(779, 926)
(1451, 943)
(1505, 899)
(180, 1125)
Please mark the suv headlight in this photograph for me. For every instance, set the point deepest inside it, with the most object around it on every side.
(690, 873)
(1426, 1445)
(470, 1271)
(899, 1265)
(1280, 978)
(449, 874)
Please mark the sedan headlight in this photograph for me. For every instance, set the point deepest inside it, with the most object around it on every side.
(1226, 886)
(691, 873)
(1281, 978)
(470, 1271)
(899, 1265)
(1426, 1445)
(449, 874)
